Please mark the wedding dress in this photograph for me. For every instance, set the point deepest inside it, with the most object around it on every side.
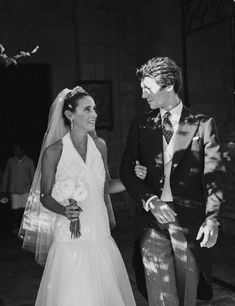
(89, 270)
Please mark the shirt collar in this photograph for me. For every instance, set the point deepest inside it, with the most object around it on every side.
(175, 112)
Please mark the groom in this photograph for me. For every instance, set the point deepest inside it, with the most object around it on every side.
(180, 198)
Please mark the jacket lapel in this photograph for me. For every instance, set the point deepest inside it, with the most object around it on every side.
(187, 128)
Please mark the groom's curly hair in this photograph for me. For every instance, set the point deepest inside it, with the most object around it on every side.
(164, 70)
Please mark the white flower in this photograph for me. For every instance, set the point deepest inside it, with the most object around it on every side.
(58, 195)
(67, 189)
(63, 189)
(79, 194)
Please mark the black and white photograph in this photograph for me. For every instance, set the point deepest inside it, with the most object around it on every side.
(117, 153)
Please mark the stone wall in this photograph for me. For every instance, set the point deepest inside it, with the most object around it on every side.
(210, 75)
(95, 40)
(108, 40)
(210, 84)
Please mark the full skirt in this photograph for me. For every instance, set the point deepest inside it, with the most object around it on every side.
(85, 273)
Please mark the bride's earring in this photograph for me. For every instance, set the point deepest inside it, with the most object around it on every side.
(71, 124)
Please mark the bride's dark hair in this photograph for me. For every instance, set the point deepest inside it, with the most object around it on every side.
(71, 101)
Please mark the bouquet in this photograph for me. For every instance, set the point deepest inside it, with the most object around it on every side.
(73, 192)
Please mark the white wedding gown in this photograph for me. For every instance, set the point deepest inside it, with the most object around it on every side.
(89, 270)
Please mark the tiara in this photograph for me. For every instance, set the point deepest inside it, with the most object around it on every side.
(74, 91)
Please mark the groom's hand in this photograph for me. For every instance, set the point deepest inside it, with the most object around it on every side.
(209, 232)
(161, 211)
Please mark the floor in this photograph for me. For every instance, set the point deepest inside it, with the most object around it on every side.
(20, 275)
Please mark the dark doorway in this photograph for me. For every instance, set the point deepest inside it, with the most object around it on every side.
(25, 97)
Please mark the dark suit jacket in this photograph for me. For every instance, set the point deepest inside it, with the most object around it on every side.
(197, 177)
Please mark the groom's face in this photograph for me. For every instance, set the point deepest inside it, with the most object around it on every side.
(156, 96)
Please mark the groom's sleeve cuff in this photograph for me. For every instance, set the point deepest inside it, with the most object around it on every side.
(147, 203)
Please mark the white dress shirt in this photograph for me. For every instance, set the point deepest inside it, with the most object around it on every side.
(168, 150)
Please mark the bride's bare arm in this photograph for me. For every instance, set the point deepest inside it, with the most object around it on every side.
(111, 185)
(50, 159)
(115, 185)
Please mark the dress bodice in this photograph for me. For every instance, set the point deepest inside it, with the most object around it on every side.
(72, 169)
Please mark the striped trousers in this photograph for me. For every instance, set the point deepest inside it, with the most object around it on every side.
(171, 271)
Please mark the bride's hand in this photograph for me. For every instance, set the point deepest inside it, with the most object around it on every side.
(71, 211)
(140, 171)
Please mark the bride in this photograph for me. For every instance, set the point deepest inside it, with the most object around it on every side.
(83, 264)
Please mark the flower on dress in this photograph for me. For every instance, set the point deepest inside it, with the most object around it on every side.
(58, 195)
(63, 190)
(68, 189)
(71, 190)
(80, 192)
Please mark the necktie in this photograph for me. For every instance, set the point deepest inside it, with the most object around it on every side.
(167, 128)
